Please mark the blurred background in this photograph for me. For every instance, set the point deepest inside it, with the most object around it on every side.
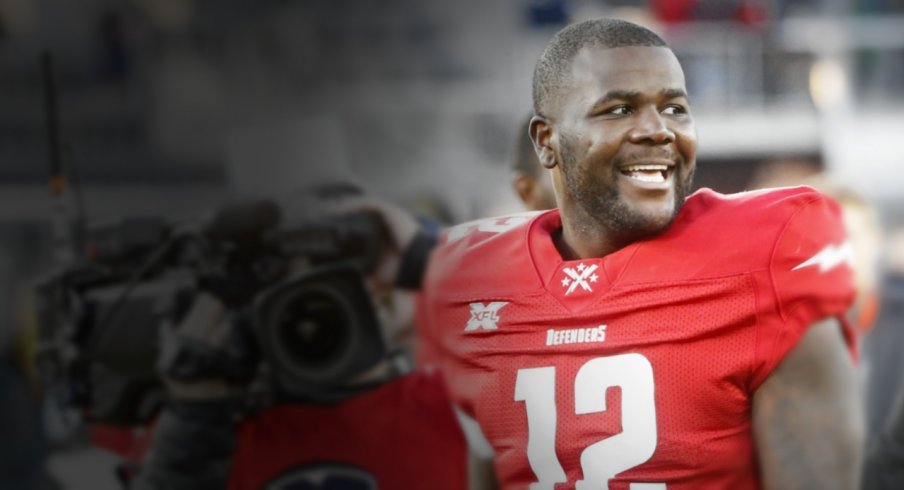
(170, 107)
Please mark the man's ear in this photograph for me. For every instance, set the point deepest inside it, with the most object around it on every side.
(541, 134)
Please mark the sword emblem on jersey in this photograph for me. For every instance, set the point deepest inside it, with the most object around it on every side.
(581, 276)
(485, 317)
(830, 257)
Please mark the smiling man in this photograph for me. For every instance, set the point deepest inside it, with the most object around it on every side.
(625, 148)
(639, 337)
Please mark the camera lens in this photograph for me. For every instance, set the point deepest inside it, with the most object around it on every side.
(318, 331)
(313, 331)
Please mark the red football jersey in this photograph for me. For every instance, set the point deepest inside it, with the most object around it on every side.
(400, 436)
(636, 370)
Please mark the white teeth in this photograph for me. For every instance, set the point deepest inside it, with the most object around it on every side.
(641, 168)
(646, 172)
(657, 177)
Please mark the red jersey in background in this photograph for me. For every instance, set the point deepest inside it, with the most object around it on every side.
(398, 436)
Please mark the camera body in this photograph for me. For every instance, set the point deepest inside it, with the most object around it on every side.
(304, 320)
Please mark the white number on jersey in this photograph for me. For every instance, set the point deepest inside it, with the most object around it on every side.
(491, 225)
(604, 459)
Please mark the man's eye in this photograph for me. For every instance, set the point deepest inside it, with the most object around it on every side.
(620, 110)
(673, 110)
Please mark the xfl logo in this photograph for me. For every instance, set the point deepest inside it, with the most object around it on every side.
(484, 317)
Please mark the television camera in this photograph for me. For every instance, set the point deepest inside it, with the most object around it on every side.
(301, 317)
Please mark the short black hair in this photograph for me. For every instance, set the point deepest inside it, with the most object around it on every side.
(553, 67)
(524, 157)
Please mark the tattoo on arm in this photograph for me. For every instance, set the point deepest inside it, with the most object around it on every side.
(807, 418)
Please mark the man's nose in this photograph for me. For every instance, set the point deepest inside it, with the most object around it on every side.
(651, 128)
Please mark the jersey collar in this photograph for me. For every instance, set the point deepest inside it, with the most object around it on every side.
(572, 281)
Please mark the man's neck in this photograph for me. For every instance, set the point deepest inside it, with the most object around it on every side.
(583, 242)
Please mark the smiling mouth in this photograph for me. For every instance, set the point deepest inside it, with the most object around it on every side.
(652, 173)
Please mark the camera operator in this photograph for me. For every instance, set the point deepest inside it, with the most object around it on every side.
(384, 427)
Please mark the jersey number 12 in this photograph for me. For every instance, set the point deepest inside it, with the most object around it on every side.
(604, 459)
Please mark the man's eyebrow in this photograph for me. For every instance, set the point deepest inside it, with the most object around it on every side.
(617, 95)
(669, 93)
(674, 93)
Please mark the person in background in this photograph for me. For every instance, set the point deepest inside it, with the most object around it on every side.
(22, 447)
(866, 233)
(861, 219)
(386, 427)
(882, 347)
(529, 180)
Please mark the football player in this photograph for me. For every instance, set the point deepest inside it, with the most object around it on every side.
(639, 336)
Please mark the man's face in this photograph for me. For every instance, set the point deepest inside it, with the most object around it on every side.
(626, 143)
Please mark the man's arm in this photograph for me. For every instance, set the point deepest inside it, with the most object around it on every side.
(194, 438)
(193, 445)
(807, 416)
